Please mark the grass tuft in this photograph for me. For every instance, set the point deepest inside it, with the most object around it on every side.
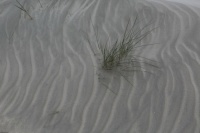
(121, 53)
(120, 57)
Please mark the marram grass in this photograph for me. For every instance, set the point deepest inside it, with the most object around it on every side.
(121, 53)
(120, 57)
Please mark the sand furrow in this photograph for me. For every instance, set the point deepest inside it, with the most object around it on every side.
(50, 67)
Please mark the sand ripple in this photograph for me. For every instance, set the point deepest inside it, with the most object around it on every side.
(50, 79)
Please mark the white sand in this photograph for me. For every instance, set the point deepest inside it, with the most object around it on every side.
(49, 76)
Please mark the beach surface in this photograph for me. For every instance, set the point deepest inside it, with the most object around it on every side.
(51, 79)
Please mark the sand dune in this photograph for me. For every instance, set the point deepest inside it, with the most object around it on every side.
(50, 77)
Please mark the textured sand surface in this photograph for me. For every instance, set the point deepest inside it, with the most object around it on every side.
(50, 80)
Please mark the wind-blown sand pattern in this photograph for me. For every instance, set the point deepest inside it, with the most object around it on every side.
(50, 80)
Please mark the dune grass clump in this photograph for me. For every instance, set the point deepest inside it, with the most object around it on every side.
(121, 53)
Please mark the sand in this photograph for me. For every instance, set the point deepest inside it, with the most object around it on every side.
(51, 79)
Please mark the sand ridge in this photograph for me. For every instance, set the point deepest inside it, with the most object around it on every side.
(50, 79)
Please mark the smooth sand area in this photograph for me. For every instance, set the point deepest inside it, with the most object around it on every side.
(50, 76)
